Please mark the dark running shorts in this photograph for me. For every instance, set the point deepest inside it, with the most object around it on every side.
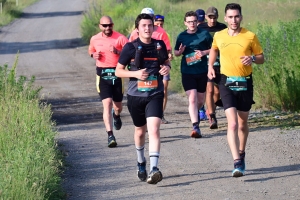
(110, 89)
(141, 108)
(217, 79)
(241, 100)
(194, 81)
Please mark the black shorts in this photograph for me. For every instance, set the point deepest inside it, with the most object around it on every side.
(217, 79)
(110, 88)
(141, 108)
(194, 81)
(241, 100)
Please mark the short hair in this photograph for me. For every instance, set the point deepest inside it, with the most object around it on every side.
(142, 16)
(190, 14)
(233, 6)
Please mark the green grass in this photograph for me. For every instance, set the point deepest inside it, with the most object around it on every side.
(11, 11)
(29, 160)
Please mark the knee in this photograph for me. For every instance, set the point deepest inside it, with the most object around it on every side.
(233, 126)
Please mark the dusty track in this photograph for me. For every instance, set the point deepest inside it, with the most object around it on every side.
(48, 38)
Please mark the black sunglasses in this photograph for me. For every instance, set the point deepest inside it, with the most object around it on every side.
(107, 25)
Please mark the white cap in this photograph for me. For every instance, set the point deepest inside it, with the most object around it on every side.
(148, 11)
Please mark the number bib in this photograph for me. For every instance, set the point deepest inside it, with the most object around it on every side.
(236, 83)
(148, 85)
(108, 74)
(192, 58)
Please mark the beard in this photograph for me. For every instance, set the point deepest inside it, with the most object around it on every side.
(108, 32)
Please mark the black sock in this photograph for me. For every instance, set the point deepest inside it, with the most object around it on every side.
(110, 133)
(115, 116)
(212, 115)
(196, 124)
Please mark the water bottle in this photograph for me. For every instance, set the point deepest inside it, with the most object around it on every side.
(138, 57)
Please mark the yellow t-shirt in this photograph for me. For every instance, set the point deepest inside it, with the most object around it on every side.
(232, 48)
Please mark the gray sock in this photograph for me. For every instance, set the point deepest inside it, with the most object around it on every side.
(140, 154)
(153, 159)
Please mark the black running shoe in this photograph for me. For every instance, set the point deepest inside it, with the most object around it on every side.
(117, 122)
(155, 176)
(112, 141)
(142, 173)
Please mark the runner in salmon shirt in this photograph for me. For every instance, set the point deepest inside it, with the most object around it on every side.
(105, 47)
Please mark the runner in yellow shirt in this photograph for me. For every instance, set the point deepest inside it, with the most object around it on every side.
(238, 49)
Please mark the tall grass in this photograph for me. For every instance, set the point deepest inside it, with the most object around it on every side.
(11, 10)
(29, 161)
(261, 17)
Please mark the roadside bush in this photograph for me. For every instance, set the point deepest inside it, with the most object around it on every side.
(29, 159)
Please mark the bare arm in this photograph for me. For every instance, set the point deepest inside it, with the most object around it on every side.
(122, 73)
(212, 58)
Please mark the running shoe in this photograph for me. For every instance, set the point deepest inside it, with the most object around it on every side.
(155, 176)
(239, 169)
(163, 120)
(213, 123)
(112, 141)
(117, 122)
(202, 115)
(196, 133)
(142, 173)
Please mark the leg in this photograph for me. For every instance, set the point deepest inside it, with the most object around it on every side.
(209, 97)
(193, 105)
(139, 141)
(243, 129)
(107, 117)
(166, 84)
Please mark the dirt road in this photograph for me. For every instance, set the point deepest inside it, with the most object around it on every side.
(48, 39)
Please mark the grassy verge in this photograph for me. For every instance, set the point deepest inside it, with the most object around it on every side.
(12, 9)
(29, 160)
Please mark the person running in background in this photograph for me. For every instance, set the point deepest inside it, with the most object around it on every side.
(201, 19)
(239, 49)
(105, 47)
(212, 90)
(159, 21)
(193, 45)
(148, 62)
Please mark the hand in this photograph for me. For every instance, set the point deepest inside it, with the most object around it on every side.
(165, 70)
(200, 53)
(114, 50)
(170, 55)
(181, 48)
(211, 73)
(246, 60)
(97, 55)
(141, 74)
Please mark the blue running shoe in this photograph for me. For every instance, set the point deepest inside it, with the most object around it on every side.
(196, 133)
(142, 173)
(202, 115)
(155, 176)
(117, 122)
(239, 169)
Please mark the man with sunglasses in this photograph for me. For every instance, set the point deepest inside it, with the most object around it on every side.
(105, 47)
(159, 21)
(212, 90)
(194, 45)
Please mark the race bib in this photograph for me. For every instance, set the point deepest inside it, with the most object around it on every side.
(108, 74)
(192, 58)
(148, 85)
(236, 83)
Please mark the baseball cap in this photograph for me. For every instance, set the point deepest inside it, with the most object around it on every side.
(148, 11)
(200, 15)
(212, 11)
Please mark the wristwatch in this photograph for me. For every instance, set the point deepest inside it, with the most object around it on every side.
(253, 58)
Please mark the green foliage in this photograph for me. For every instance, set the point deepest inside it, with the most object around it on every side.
(277, 81)
(29, 159)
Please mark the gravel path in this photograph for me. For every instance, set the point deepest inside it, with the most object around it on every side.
(48, 39)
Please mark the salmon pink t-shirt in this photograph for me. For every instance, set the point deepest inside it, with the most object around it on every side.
(158, 34)
(103, 44)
